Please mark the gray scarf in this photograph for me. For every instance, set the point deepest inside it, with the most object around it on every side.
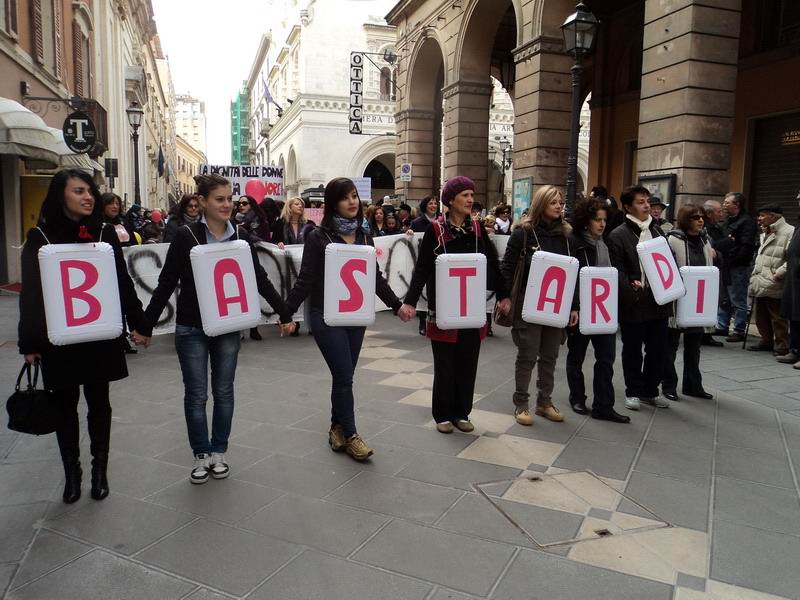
(603, 259)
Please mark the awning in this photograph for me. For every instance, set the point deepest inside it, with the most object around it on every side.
(24, 134)
(70, 160)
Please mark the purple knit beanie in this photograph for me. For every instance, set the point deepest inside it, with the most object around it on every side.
(454, 187)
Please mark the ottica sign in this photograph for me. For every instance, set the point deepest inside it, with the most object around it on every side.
(460, 291)
(551, 285)
(349, 285)
(599, 300)
(227, 291)
(81, 293)
(698, 308)
(661, 270)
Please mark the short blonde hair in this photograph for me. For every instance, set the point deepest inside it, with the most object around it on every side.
(286, 212)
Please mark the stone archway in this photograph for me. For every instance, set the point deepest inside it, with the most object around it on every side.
(290, 175)
(381, 171)
(419, 126)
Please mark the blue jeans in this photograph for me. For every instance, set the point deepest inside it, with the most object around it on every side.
(340, 346)
(194, 348)
(736, 305)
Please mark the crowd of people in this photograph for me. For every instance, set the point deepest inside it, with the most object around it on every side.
(758, 260)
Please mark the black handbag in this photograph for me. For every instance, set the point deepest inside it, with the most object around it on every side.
(31, 410)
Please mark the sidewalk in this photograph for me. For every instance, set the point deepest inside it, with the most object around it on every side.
(697, 501)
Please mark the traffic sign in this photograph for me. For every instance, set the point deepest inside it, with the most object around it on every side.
(405, 171)
(80, 134)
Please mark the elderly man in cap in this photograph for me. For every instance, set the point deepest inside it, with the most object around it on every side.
(657, 208)
(766, 281)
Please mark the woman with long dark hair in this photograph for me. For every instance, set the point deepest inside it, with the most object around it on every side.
(72, 213)
(376, 219)
(195, 349)
(112, 214)
(342, 223)
(253, 218)
(188, 212)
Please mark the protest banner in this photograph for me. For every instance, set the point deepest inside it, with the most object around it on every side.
(227, 292)
(81, 293)
(460, 291)
(599, 300)
(550, 289)
(661, 271)
(258, 181)
(698, 308)
(349, 285)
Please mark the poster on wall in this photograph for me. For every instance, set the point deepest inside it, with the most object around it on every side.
(258, 181)
(522, 194)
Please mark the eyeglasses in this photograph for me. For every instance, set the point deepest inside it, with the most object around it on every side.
(696, 217)
(243, 203)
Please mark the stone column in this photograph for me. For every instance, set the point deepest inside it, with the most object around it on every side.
(415, 145)
(466, 133)
(542, 112)
(687, 96)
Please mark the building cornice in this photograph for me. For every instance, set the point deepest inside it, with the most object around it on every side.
(476, 88)
(261, 55)
(411, 113)
(401, 8)
(542, 44)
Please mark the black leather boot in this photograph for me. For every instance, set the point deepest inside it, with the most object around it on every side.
(99, 477)
(72, 476)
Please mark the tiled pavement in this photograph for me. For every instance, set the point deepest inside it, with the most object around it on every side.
(698, 501)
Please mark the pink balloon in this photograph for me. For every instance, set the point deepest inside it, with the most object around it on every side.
(256, 189)
(155, 216)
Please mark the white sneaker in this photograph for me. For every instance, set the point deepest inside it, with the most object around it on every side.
(657, 401)
(632, 403)
(219, 468)
(200, 471)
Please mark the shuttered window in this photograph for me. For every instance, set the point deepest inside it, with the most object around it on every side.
(77, 56)
(46, 22)
(8, 17)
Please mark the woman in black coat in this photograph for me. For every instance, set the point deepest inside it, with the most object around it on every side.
(72, 213)
(188, 212)
(790, 303)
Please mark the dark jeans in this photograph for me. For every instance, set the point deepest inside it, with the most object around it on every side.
(643, 374)
(794, 336)
(605, 348)
(194, 350)
(340, 346)
(692, 378)
(734, 303)
(99, 419)
(454, 369)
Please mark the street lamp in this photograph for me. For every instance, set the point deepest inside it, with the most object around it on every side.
(580, 32)
(508, 154)
(135, 113)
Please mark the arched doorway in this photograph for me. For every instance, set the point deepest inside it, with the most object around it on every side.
(420, 124)
(290, 175)
(381, 171)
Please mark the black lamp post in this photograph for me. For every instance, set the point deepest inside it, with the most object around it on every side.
(508, 153)
(580, 32)
(135, 113)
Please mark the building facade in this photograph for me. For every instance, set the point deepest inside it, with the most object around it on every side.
(190, 121)
(187, 166)
(240, 128)
(104, 52)
(676, 88)
(304, 60)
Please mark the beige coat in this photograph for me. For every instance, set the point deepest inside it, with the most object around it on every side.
(769, 269)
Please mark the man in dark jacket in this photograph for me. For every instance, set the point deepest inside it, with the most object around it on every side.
(790, 303)
(643, 323)
(712, 209)
(737, 252)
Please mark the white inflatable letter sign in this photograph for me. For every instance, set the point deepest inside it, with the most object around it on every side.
(551, 285)
(349, 285)
(227, 291)
(460, 291)
(599, 300)
(698, 308)
(661, 270)
(81, 293)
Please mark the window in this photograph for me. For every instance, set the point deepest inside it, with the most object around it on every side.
(46, 23)
(780, 23)
(82, 59)
(8, 17)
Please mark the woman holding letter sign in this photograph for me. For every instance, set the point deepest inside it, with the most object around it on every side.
(72, 213)
(542, 228)
(589, 220)
(455, 351)
(342, 223)
(193, 346)
(692, 249)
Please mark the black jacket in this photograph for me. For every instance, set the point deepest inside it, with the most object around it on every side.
(172, 227)
(790, 303)
(420, 224)
(429, 249)
(282, 233)
(739, 251)
(311, 279)
(178, 269)
(75, 364)
(635, 306)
